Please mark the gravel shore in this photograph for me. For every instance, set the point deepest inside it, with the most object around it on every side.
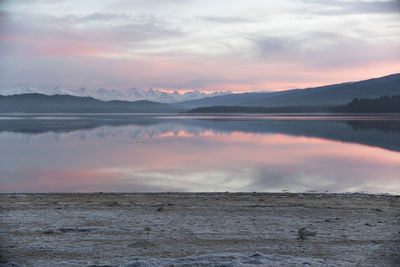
(199, 229)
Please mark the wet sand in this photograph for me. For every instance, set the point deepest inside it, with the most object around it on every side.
(195, 229)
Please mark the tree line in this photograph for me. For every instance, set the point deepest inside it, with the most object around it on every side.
(383, 104)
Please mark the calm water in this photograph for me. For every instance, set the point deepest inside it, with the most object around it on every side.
(120, 153)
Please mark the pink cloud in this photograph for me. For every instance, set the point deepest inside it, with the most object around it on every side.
(72, 53)
(129, 167)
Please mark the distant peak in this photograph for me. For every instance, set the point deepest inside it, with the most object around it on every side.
(131, 94)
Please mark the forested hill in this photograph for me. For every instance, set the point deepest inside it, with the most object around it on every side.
(330, 95)
(39, 103)
(384, 104)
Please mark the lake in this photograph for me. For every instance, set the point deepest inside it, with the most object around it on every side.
(147, 153)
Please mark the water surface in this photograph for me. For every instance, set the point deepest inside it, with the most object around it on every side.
(121, 153)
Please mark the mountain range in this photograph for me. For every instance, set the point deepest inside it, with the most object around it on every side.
(322, 98)
(131, 94)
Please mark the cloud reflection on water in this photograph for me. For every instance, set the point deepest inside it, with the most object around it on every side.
(195, 155)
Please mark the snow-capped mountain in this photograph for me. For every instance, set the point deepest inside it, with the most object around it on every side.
(28, 88)
(25, 88)
(131, 94)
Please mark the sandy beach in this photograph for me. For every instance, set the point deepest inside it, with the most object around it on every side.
(199, 229)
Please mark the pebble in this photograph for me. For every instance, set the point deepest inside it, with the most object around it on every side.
(303, 233)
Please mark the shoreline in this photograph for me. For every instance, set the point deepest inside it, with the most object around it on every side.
(217, 193)
(198, 229)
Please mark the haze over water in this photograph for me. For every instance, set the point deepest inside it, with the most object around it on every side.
(124, 153)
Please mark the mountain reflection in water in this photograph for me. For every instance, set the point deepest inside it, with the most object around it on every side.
(213, 153)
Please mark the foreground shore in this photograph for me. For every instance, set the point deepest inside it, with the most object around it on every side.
(199, 229)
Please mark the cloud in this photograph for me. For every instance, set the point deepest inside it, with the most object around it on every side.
(227, 19)
(192, 83)
(49, 36)
(273, 46)
(321, 49)
(100, 16)
(196, 44)
(338, 7)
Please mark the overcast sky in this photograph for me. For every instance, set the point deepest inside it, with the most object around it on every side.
(208, 45)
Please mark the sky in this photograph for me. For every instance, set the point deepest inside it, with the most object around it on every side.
(205, 45)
